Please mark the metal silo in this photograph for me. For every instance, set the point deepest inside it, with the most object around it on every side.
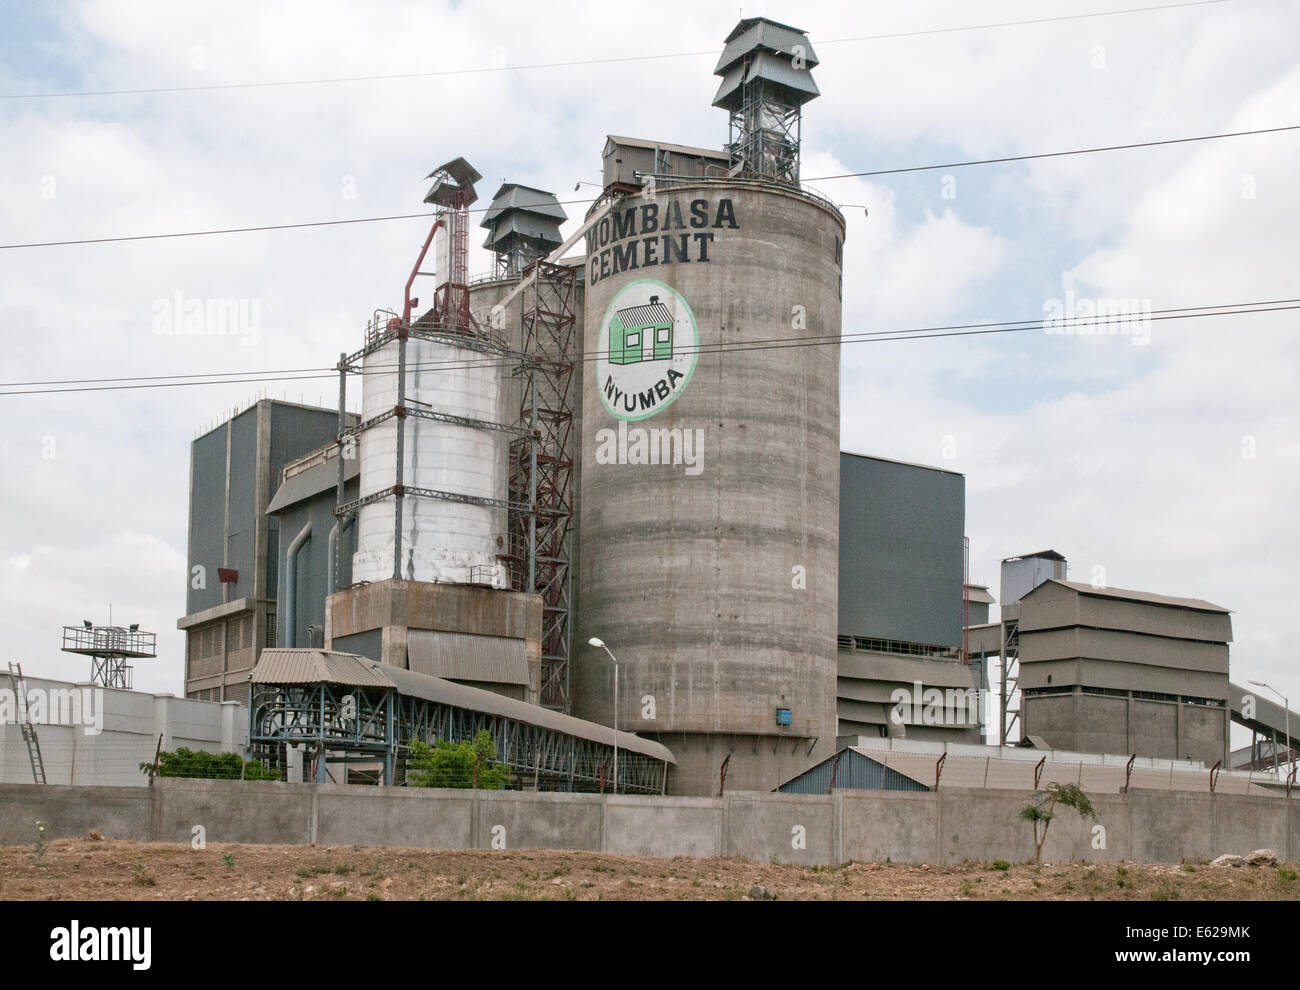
(709, 510)
(434, 459)
(442, 540)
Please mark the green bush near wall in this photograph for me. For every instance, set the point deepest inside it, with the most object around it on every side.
(210, 766)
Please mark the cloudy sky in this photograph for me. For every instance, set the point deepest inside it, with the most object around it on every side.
(1165, 459)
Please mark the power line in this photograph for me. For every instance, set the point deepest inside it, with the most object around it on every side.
(859, 337)
(579, 62)
(572, 202)
(461, 364)
(1058, 154)
(1032, 20)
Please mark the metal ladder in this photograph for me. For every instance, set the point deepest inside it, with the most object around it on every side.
(29, 730)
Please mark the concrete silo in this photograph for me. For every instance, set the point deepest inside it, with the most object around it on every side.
(710, 454)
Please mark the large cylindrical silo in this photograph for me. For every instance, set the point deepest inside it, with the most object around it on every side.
(709, 508)
(443, 540)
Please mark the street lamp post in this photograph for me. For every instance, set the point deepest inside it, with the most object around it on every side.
(1286, 719)
(600, 645)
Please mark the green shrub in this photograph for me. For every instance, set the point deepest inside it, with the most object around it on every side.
(462, 764)
(211, 766)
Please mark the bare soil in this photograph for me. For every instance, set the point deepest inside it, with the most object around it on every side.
(95, 869)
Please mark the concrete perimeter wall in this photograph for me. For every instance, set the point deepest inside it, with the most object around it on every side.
(949, 826)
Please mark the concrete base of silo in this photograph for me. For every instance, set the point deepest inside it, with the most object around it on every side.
(752, 762)
(422, 626)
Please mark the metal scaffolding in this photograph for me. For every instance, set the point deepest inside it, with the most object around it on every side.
(1010, 678)
(541, 468)
(386, 327)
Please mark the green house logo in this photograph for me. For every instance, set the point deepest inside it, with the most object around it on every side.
(647, 349)
(641, 333)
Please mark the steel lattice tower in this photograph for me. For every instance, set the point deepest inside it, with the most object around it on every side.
(541, 468)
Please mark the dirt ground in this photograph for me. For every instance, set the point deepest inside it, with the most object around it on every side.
(97, 869)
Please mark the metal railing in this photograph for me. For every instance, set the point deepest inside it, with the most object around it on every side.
(669, 180)
(109, 640)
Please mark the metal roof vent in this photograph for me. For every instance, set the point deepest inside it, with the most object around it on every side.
(523, 225)
(766, 71)
(453, 185)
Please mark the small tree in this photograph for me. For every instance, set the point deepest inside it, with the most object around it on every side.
(1043, 808)
(463, 764)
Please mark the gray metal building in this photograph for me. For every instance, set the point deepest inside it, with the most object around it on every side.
(314, 554)
(900, 604)
(1107, 670)
(234, 470)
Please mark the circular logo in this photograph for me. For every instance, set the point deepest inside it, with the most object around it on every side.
(646, 350)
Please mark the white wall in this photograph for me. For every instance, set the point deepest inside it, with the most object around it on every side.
(102, 738)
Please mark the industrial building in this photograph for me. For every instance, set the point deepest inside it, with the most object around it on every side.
(901, 615)
(1094, 669)
(585, 506)
(1105, 670)
(234, 546)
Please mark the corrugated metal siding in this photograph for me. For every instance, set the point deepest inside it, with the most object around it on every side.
(297, 430)
(244, 505)
(208, 456)
(467, 657)
(368, 644)
(901, 529)
(856, 772)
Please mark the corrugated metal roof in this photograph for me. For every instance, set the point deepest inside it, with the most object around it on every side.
(417, 685)
(313, 481)
(640, 317)
(915, 766)
(513, 196)
(966, 767)
(979, 593)
(759, 32)
(1269, 715)
(1126, 594)
(467, 657)
(1043, 554)
(854, 772)
(297, 666)
(677, 149)
(794, 86)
